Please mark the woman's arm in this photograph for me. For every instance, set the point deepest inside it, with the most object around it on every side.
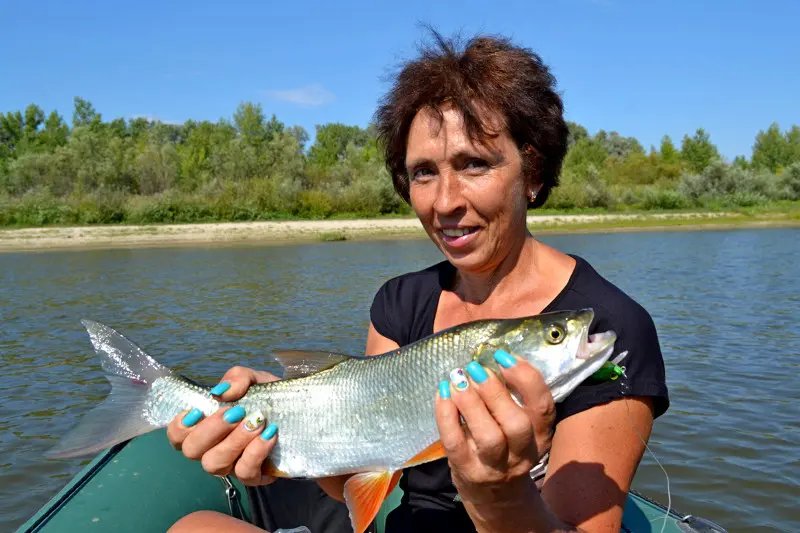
(593, 459)
(593, 455)
(376, 345)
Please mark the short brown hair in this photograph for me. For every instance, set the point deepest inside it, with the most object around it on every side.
(490, 73)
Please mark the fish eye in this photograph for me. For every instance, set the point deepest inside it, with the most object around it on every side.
(555, 334)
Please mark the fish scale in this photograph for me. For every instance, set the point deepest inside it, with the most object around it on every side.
(383, 421)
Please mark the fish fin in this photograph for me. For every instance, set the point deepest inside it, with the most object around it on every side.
(393, 483)
(364, 494)
(301, 363)
(120, 416)
(270, 470)
(121, 357)
(431, 453)
(117, 419)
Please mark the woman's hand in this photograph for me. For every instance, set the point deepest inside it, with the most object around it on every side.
(492, 454)
(230, 441)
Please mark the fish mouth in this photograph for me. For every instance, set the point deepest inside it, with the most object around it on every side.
(591, 345)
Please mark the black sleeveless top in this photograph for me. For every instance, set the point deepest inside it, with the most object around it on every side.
(404, 309)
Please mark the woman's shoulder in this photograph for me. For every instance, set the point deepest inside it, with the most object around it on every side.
(589, 288)
(404, 306)
(430, 276)
(636, 334)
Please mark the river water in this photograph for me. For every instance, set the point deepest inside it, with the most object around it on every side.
(726, 305)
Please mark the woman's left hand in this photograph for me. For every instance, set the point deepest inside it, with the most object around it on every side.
(492, 454)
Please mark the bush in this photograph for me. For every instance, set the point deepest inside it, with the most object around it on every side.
(788, 183)
(314, 204)
(654, 198)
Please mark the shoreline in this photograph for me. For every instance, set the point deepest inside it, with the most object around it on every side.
(287, 232)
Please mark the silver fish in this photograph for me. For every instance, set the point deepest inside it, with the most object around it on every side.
(337, 413)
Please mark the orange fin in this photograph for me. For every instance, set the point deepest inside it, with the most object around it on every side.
(431, 453)
(270, 470)
(364, 494)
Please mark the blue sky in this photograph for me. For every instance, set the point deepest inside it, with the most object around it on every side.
(642, 68)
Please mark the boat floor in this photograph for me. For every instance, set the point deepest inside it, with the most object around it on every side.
(144, 485)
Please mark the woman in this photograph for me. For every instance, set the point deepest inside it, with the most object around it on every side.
(472, 140)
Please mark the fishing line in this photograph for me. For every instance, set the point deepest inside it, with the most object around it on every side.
(669, 493)
(611, 370)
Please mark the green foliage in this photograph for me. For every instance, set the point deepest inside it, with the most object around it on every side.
(788, 186)
(667, 151)
(698, 151)
(774, 150)
(252, 167)
(331, 142)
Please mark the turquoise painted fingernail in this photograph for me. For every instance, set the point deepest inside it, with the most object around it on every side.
(269, 432)
(444, 390)
(504, 359)
(477, 372)
(192, 417)
(234, 414)
(220, 388)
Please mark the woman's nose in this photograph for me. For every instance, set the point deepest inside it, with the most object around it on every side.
(449, 197)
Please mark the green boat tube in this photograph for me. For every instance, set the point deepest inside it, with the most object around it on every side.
(142, 485)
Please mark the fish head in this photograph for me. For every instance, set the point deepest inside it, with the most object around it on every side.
(558, 345)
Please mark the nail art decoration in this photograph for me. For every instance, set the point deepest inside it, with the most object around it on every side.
(254, 421)
(459, 379)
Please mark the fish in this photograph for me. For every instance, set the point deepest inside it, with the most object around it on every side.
(369, 416)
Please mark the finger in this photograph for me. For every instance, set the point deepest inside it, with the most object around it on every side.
(211, 431)
(221, 458)
(234, 383)
(451, 432)
(535, 396)
(181, 426)
(262, 376)
(513, 420)
(252, 463)
(483, 430)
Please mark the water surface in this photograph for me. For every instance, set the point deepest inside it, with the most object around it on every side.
(726, 305)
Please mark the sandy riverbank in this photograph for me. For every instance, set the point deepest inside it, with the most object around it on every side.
(331, 230)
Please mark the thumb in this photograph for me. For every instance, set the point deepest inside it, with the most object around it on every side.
(234, 383)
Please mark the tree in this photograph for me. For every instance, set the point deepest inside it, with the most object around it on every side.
(84, 114)
(774, 151)
(698, 151)
(618, 146)
(669, 154)
(576, 133)
(249, 122)
(55, 132)
(11, 131)
(331, 142)
(585, 152)
(771, 149)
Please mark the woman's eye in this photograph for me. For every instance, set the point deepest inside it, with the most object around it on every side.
(476, 164)
(422, 173)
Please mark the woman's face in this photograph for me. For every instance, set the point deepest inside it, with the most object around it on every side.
(471, 198)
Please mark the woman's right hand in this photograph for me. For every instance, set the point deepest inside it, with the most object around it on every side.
(229, 441)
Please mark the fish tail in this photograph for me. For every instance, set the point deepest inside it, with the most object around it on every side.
(123, 413)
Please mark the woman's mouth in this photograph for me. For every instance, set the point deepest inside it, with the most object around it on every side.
(457, 237)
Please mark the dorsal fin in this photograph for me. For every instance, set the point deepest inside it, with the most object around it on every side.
(301, 363)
